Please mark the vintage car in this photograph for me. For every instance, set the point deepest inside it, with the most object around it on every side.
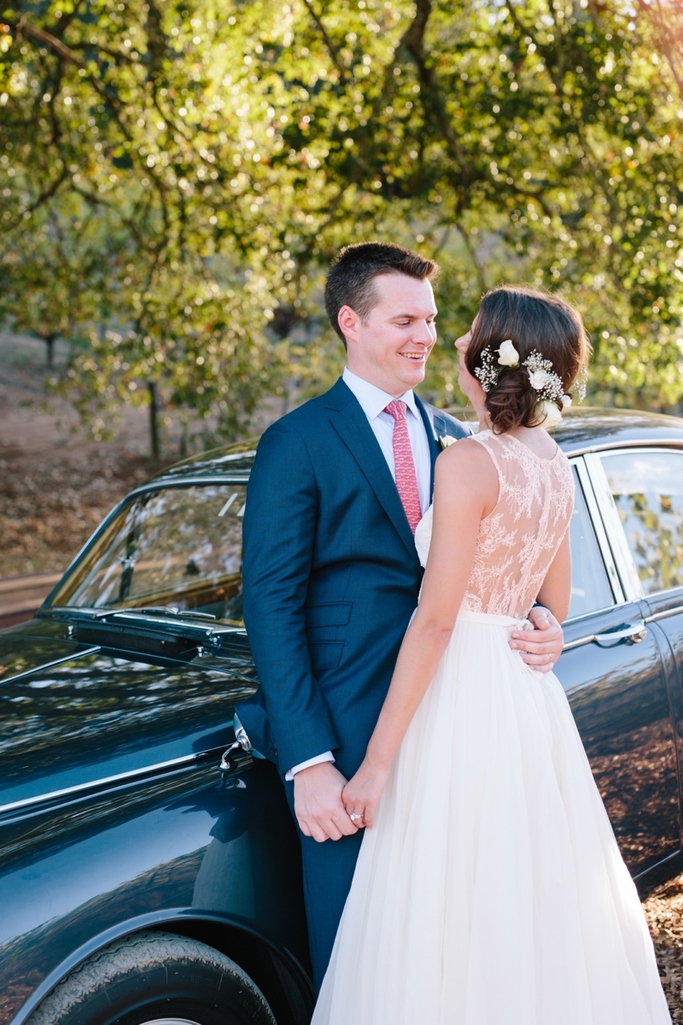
(149, 868)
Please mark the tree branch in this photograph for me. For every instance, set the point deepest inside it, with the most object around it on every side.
(23, 28)
(332, 49)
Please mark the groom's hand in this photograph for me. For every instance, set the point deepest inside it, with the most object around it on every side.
(318, 803)
(541, 647)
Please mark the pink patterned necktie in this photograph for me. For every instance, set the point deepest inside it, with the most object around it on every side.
(406, 478)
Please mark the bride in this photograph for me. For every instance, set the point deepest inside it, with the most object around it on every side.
(489, 888)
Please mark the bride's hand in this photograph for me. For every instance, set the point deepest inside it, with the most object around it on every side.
(362, 793)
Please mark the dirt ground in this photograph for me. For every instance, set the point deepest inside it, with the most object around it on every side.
(55, 487)
(664, 913)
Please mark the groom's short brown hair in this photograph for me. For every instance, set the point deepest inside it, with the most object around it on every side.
(350, 281)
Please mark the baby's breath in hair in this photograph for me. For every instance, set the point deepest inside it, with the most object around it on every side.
(488, 371)
(542, 376)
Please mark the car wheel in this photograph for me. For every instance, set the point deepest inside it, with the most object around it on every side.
(156, 979)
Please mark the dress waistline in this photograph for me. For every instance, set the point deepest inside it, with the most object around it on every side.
(466, 615)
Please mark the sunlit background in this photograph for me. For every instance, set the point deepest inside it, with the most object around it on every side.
(175, 178)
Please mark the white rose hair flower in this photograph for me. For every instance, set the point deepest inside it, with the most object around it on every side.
(507, 354)
(539, 379)
(548, 414)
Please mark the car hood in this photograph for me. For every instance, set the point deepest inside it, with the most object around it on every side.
(73, 715)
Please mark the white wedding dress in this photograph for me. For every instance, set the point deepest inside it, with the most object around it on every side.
(491, 890)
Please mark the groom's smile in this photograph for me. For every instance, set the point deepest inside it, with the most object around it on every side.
(390, 346)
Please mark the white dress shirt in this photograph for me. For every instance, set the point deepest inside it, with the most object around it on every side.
(373, 402)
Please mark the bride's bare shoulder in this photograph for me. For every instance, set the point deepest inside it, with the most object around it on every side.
(465, 450)
(467, 464)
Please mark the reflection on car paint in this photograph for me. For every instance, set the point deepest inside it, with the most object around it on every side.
(166, 845)
(99, 715)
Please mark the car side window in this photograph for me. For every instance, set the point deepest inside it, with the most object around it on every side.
(590, 585)
(648, 492)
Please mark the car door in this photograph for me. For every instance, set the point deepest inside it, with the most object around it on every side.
(614, 675)
(647, 488)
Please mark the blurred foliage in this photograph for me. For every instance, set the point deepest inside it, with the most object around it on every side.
(176, 178)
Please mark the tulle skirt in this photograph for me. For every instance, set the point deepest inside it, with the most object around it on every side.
(491, 890)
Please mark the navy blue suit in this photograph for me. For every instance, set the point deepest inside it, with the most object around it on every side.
(331, 579)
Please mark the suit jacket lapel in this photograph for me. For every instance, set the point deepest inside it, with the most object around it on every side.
(351, 424)
(434, 446)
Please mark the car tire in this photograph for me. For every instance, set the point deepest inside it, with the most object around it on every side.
(156, 977)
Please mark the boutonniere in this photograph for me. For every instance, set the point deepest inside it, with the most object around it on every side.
(446, 440)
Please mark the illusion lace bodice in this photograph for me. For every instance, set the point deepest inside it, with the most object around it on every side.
(518, 540)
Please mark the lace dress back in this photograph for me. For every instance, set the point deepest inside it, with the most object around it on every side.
(518, 540)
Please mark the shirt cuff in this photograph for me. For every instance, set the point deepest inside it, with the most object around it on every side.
(327, 756)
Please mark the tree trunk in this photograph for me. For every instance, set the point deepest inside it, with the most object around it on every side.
(183, 439)
(50, 342)
(154, 419)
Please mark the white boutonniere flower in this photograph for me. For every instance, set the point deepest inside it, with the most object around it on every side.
(548, 413)
(447, 440)
(507, 354)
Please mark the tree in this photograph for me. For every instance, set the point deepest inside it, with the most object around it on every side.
(236, 147)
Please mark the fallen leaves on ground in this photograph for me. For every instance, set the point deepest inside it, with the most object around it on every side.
(664, 912)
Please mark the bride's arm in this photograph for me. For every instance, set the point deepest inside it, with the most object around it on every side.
(556, 591)
(465, 490)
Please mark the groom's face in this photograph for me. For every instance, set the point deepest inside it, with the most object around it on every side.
(390, 349)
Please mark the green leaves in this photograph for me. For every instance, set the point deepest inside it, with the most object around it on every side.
(217, 156)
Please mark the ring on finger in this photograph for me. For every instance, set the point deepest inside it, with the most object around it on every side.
(356, 817)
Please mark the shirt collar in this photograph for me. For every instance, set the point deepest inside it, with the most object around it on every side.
(372, 399)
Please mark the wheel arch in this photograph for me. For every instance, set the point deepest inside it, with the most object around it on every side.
(277, 973)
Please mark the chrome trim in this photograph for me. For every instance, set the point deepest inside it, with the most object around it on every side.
(186, 761)
(183, 482)
(618, 445)
(657, 865)
(655, 616)
(583, 474)
(51, 665)
(633, 589)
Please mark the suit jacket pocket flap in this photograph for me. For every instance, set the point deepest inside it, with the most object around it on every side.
(325, 655)
(331, 613)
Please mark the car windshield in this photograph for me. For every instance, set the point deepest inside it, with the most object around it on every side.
(175, 546)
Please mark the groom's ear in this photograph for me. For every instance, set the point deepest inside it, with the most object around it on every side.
(349, 322)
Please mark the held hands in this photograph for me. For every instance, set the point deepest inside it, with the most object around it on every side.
(362, 793)
(541, 647)
(318, 803)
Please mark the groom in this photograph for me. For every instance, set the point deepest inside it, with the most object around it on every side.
(331, 574)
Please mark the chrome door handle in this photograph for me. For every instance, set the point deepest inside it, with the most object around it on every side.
(234, 758)
(240, 753)
(634, 632)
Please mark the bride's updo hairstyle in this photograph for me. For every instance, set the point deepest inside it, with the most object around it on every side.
(534, 322)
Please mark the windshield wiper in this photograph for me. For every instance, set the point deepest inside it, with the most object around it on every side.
(167, 610)
(150, 610)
